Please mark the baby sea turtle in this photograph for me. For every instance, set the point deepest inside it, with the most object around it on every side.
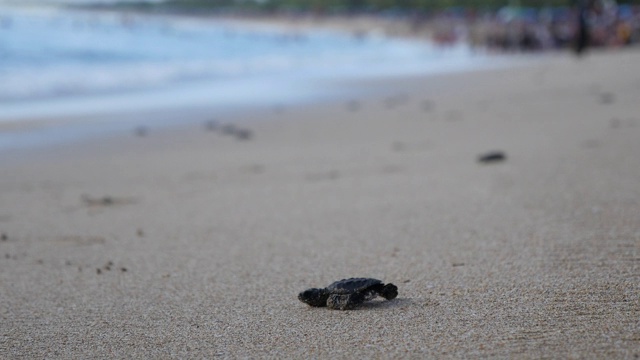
(346, 294)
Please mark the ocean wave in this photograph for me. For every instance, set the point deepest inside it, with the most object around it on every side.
(48, 52)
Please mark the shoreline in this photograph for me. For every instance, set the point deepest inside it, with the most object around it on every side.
(63, 121)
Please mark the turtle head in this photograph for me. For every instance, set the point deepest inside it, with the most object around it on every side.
(314, 297)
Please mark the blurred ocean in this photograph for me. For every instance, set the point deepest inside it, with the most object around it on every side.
(51, 52)
(51, 56)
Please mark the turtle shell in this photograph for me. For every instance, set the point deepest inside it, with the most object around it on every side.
(352, 285)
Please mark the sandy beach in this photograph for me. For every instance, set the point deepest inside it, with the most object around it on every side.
(189, 243)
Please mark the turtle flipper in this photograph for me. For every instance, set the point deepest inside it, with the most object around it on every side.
(345, 301)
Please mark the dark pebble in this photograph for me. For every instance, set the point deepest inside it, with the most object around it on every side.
(106, 200)
(492, 157)
(4, 237)
(98, 271)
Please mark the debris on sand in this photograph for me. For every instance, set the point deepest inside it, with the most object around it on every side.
(492, 157)
(105, 200)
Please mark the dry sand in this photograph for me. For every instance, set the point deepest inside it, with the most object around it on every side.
(207, 240)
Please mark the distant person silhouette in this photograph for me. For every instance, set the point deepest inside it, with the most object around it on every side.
(587, 9)
(582, 35)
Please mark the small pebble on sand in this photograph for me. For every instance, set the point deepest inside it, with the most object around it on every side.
(492, 157)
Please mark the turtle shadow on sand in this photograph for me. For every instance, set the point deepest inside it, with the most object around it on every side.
(381, 304)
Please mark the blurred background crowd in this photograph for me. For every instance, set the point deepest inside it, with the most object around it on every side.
(504, 25)
(497, 25)
(535, 29)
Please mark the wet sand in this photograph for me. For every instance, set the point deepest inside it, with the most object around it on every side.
(193, 242)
